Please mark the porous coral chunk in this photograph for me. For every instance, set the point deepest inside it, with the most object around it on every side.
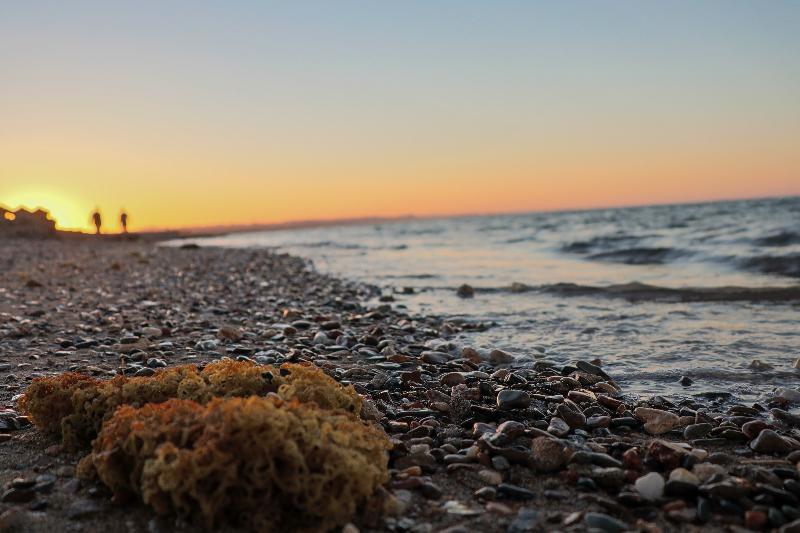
(263, 463)
(75, 406)
(306, 383)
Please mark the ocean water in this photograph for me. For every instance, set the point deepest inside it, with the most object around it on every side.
(655, 293)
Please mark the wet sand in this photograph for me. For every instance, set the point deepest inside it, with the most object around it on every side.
(480, 443)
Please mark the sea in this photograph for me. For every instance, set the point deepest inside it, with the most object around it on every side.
(708, 291)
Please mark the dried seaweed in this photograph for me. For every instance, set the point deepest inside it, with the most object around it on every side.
(74, 406)
(263, 463)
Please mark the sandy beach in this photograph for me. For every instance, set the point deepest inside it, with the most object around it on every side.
(479, 442)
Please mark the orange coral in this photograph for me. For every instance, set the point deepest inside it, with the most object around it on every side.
(75, 405)
(307, 383)
(264, 463)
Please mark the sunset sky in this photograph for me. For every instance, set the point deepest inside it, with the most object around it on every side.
(199, 113)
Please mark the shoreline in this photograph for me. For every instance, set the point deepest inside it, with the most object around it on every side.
(479, 443)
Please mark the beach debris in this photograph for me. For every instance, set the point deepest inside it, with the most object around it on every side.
(465, 291)
(75, 406)
(657, 421)
(264, 463)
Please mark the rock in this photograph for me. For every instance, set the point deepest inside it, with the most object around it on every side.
(490, 477)
(609, 478)
(83, 508)
(605, 523)
(465, 291)
(791, 527)
(684, 476)
(231, 333)
(590, 368)
(513, 399)
(770, 442)
(790, 395)
(424, 460)
(685, 381)
(755, 520)
(500, 357)
(666, 454)
(14, 520)
(657, 421)
(570, 413)
(754, 427)
(558, 427)
(515, 492)
(696, 431)
(452, 378)
(547, 455)
(527, 520)
(786, 417)
(650, 486)
(434, 357)
(500, 463)
(17, 495)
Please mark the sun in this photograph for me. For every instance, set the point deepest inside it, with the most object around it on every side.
(68, 212)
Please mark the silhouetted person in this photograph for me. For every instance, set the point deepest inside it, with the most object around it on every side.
(123, 220)
(97, 220)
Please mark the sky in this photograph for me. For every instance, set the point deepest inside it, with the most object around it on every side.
(198, 113)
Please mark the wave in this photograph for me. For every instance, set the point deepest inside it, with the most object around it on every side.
(601, 244)
(782, 265)
(642, 292)
(782, 238)
(331, 244)
(640, 256)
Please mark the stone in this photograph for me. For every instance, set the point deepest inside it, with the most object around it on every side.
(791, 527)
(513, 399)
(790, 395)
(515, 492)
(558, 427)
(770, 442)
(500, 357)
(83, 508)
(231, 333)
(657, 421)
(527, 520)
(570, 413)
(650, 486)
(452, 378)
(684, 476)
(755, 520)
(490, 477)
(605, 523)
(465, 291)
(754, 427)
(434, 357)
(547, 455)
(697, 431)
(15, 519)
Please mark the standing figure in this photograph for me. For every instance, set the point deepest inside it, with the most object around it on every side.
(96, 220)
(123, 220)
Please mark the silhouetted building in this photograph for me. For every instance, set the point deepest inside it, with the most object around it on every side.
(25, 223)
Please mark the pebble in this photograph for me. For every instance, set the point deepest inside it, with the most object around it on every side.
(83, 508)
(558, 427)
(465, 291)
(605, 523)
(500, 357)
(657, 421)
(696, 431)
(527, 520)
(515, 492)
(547, 455)
(770, 442)
(513, 399)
